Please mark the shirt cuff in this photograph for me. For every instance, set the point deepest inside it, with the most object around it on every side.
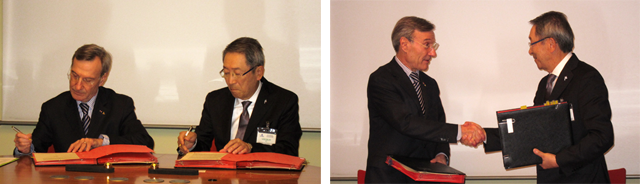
(17, 153)
(190, 149)
(459, 133)
(105, 139)
(445, 156)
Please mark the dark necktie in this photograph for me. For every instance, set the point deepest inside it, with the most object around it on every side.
(416, 86)
(244, 120)
(85, 117)
(550, 80)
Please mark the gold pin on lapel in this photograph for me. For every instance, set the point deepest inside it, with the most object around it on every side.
(102, 112)
(423, 84)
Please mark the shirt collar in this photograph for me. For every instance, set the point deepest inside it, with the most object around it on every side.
(406, 69)
(90, 102)
(254, 97)
(556, 71)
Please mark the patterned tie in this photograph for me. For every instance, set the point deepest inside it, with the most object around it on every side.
(244, 120)
(550, 80)
(85, 117)
(416, 86)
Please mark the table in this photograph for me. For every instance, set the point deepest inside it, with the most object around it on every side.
(23, 171)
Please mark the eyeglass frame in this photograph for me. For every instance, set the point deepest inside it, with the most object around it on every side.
(84, 79)
(233, 75)
(433, 46)
(531, 44)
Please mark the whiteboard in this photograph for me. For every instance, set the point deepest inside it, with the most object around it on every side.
(166, 54)
(482, 66)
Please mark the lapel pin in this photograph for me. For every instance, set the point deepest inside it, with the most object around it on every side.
(102, 112)
(265, 101)
(565, 78)
(423, 84)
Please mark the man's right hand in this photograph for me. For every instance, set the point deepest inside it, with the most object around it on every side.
(184, 143)
(472, 134)
(23, 142)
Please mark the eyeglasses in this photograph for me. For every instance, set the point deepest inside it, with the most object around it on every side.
(433, 46)
(74, 78)
(531, 44)
(234, 75)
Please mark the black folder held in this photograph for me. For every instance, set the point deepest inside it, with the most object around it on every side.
(547, 128)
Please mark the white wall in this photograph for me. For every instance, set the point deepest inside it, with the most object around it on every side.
(482, 66)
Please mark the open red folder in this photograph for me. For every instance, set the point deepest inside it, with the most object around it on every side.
(115, 154)
(261, 160)
(424, 170)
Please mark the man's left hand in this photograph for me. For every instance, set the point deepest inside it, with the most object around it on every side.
(84, 144)
(440, 158)
(548, 159)
(236, 146)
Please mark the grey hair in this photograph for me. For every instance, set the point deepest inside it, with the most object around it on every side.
(554, 25)
(405, 27)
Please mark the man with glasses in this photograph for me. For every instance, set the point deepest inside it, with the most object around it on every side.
(406, 116)
(251, 114)
(88, 115)
(576, 82)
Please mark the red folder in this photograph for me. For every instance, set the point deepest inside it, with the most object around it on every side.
(115, 154)
(261, 160)
(424, 170)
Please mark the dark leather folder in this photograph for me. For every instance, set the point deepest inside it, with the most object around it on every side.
(424, 170)
(547, 128)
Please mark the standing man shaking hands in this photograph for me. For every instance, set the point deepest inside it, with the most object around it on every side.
(578, 83)
(406, 116)
(250, 108)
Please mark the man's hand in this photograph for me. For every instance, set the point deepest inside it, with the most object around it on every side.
(548, 159)
(84, 144)
(440, 158)
(472, 134)
(184, 143)
(23, 142)
(236, 146)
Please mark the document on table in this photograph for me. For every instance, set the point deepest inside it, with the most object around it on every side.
(203, 156)
(43, 157)
(6, 160)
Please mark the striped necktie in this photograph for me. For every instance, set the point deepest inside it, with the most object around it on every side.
(85, 117)
(416, 86)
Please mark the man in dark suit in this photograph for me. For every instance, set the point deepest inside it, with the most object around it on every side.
(406, 116)
(578, 84)
(88, 115)
(240, 117)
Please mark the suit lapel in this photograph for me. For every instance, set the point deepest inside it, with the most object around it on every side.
(565, 77)
(99, 112)
(405, 84)
(73, 116)
(259, 110)
(227, 108)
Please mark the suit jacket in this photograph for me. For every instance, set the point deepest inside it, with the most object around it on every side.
(113, 114)
(592, 132)
(274, 104)
(397, 125)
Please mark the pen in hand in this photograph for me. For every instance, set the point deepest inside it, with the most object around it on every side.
(16, 129)
(190, 128)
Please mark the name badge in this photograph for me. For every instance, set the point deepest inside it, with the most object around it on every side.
(266, 135)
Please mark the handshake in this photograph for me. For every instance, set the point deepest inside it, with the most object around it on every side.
(472, 134)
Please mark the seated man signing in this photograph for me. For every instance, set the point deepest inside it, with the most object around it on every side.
(250, 106)
(88, 115)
